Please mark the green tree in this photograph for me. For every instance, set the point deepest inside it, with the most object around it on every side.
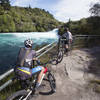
(7, 24)
(22, 19)
(1, 10)
(95, 9)
(5, 4)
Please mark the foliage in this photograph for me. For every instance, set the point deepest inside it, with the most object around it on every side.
(85, 26)
(27, 19)
(95, 9)
(6, 19)
(5, 4)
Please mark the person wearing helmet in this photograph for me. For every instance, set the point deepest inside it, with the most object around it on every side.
(24, 63)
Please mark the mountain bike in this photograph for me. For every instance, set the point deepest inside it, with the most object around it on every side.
(30, 84)
(62, 46)
(61, 51)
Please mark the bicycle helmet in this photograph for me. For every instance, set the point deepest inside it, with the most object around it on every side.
(28, 43)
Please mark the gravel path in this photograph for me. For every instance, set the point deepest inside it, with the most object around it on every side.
(72, 77)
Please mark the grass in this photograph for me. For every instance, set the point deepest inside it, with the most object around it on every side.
(14, 86)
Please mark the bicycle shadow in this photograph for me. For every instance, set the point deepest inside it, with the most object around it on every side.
(49, 91)
(46, 93)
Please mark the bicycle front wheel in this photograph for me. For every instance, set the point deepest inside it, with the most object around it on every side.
(52, 81)
(20, 95)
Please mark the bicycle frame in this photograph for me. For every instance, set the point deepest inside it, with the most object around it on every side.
(45, 71)
(31, 89)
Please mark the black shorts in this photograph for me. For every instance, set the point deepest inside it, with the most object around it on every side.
(66, 42)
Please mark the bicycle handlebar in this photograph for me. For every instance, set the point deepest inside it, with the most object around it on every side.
(44, 64)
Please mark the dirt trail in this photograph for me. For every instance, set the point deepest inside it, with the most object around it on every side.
(72, 77)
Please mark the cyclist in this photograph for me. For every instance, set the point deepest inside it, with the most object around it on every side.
(24, 63)
(68, 36)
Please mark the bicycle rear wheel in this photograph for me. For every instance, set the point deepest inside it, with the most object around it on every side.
(20, 95)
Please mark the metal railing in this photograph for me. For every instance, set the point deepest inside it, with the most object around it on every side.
(87, 35)
(46, 49)
(40, 53)
(85, 40)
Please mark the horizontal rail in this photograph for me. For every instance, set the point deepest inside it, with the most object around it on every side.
(44, 47)
(6, 74)
(86, 35)
(5, 84)
(10, 71)
(47, 51)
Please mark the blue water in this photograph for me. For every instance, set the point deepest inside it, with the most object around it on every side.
(11, 42)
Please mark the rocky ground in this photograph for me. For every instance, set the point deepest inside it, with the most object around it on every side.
(73, 75)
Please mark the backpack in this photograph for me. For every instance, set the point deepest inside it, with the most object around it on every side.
(65, 36)
(23, 53)
(20, 70)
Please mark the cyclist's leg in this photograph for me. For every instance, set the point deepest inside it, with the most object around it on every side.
(66, 46)
(40, 77)
(69, 44)
(41, 70)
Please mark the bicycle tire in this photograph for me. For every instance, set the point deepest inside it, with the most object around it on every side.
(59, 56)
(18, 94)
(52, 82)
